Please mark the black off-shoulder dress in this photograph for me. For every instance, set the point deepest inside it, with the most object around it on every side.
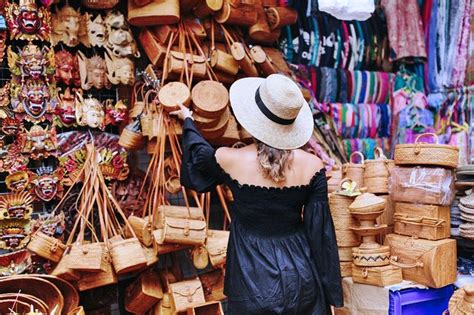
(278, 262)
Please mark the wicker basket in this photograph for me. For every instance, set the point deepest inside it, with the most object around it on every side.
(462, 301)
(376, 185)
(87, 257)
(427, 154)
(174, 93)
(345, 254)
(210, 99)
(92, 280)
(154, 13)
(64, 272)
(367, 202)
(100, 4)
(335, 178)
(371, 257)
(339, 205)
(127, 255)
(131, 140)
(355, 171)
(346, 269)
(379, 167)
(46, 246)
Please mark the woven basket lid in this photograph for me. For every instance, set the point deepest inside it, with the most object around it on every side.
(172, 94)
(468, 201)
(466, 210)
(368, 202)
(210, 98)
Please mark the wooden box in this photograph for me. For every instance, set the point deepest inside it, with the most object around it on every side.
(347, 238)
(208, 308)
(346, 269)
(422, 221)
(378, 276)
(431, 263)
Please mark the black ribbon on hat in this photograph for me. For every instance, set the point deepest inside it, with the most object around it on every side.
(264, 109)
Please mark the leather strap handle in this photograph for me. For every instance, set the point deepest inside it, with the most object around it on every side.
(394, 261)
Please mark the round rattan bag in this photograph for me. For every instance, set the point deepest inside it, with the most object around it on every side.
(100, 4)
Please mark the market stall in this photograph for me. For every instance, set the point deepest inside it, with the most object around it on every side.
(92, 208)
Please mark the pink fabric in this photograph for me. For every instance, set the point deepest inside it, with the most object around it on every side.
(459, 67)
(405, 29)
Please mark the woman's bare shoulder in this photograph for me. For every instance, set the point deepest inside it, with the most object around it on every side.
(227, 156)
(310, 162)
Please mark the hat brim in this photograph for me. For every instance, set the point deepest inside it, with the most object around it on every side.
(247, 113)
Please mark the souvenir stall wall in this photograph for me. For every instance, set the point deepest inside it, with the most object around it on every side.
(393, 83)
(93, 215)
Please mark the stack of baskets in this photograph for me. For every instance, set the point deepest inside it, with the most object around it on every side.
(339, 202)
(210, 101)
(422, 191)
(376, 176)
(462, 212)
(466, 207)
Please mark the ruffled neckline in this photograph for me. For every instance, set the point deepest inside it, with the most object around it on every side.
(272, 188)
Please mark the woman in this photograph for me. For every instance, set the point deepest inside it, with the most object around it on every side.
(277, 262)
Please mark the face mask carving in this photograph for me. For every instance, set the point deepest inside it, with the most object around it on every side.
(17, 181)
(16, 206)
(120, 38)
(5, 111)
(67, 68)
(47, 183)
(93, 72)
(39, 143)
(31, 62)
(14, 234)
(89, 112)
(115, 114)
(96, 31)
(34, 102)
(27, 22)
(68, 26)
(11, 158)
(11, 126)
(65, 110)
(120, 70)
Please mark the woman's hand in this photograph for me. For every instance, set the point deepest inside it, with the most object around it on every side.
(183, 112)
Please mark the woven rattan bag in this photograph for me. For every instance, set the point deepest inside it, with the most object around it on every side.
(355, 171)
(421, 153)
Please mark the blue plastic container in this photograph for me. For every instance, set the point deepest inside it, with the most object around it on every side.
(420, 301)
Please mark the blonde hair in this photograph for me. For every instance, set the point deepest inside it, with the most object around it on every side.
(273, 162)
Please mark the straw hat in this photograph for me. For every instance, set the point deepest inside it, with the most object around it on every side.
(272, 110)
